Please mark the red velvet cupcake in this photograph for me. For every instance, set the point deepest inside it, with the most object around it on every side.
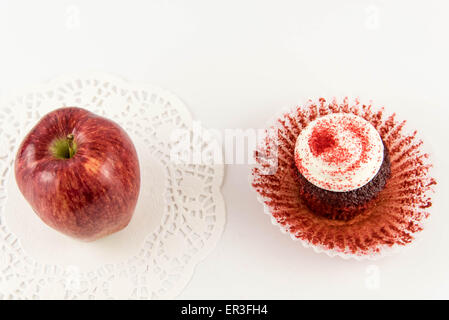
(348, 181)
(342, 165)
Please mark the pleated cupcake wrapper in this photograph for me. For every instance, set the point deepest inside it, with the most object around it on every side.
(397, 215)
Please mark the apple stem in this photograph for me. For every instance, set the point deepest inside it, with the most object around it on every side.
(70, 138)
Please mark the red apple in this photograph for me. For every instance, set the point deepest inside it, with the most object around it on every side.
(80, 173)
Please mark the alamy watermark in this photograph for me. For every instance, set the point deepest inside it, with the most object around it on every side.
(73, 278)
(73, 17)
(229, 146)
(372, 17)
(372, 280)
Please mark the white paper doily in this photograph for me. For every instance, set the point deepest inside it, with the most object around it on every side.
(179, 217)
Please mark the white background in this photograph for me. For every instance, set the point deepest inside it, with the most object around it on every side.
(235, 64)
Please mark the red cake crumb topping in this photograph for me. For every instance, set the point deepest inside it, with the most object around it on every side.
(321, 140)
(339, 152)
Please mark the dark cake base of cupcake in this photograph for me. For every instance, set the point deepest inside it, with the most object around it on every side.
(343, 205)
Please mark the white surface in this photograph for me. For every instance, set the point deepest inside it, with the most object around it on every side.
(237, 63)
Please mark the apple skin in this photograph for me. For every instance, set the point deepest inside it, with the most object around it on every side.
(90, 195)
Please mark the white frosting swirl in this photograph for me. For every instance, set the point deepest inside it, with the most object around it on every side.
(339, 152)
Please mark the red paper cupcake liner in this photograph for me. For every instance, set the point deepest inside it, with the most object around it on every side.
(392, 221)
